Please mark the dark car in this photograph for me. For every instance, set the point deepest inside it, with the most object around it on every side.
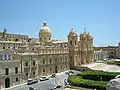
(71, 72)
(32, 88)
(67, 73)
(58, 86)
(53, 75)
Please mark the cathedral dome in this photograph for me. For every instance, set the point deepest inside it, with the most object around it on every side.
(45, 28)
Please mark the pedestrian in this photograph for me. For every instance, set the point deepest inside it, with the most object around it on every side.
(65, 81)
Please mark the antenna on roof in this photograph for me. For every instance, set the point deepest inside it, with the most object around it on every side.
(85, 28)
(5, 30)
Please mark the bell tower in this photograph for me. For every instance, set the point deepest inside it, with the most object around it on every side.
(72, 44)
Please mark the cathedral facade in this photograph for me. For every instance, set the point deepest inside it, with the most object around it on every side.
(44, 56)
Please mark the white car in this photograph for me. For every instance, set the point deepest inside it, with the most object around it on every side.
(118, 76)
(44, 78)
(31, 81)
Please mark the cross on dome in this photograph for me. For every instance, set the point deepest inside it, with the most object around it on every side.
(44, 23)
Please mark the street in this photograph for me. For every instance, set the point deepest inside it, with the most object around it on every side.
(48, 84)
(45, 85)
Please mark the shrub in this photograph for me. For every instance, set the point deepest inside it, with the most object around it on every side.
(78, 81)
(98, 75)
(113, 62)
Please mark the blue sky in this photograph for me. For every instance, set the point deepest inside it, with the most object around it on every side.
(102, 18)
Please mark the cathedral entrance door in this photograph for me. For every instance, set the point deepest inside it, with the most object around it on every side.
(7, 83)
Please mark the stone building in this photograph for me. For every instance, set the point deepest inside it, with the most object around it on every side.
(5, 55)
(118, 51)
(10, 70)
(80, 51)
(110, 49)
(100, 55)
(46, 56)
(11, 41)
(22, 57)
(10, 73)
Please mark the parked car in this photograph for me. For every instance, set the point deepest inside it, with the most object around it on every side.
(67, 73)
(71, 72)
(58, 86)
(44, 78)
(32, 88)
(31, 81)
(53, 75)
(118, 76)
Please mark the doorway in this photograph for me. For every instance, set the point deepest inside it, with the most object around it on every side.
(7, 83)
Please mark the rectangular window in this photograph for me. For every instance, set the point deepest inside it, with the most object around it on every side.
(1, 57)
(33, 63)
(26, 64)
(16, 79)
(16, 70)
(5, 57)
(6, 71)
(26, 74)
(9, 57)
(43, 61)
(43, 70)
(50, 61)
(50, 69)
(34, 73)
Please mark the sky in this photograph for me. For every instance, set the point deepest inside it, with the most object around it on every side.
(101, 17)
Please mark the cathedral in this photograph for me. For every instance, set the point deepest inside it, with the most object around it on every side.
(36, 57)
(46, 56)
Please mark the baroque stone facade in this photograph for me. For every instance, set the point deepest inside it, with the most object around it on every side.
(11, 41)
(10, 73)
(45, 56)
(80, 51)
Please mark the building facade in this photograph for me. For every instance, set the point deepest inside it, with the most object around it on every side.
(100, 55)
(10, 70)
(11, 41)
(10, 73)
(80, 50)
(110, 49)
(44, 56)
(118, 51)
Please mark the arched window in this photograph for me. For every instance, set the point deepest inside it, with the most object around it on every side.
(16, 39)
